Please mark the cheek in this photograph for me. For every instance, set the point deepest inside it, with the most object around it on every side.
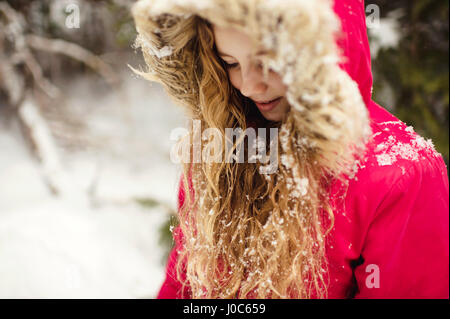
(235, 78)
(277, 83)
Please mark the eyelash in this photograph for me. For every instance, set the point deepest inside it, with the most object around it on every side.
(232, 65)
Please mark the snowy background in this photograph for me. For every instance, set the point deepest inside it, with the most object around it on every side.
(95, 240)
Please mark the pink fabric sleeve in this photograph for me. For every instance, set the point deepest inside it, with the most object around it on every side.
(406, 249)
(172, 287)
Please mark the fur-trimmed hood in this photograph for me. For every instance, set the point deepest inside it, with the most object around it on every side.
(319, 47)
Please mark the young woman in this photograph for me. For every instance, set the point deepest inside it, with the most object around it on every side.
(358, 203)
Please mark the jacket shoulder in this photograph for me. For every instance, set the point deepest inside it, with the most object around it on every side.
(393, 149)
(397, 161)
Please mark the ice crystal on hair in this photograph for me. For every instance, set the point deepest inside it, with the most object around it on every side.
(254, 158)
(165, 51)
(268, 169)
(284, 135)
(303, 184)
(287, 160)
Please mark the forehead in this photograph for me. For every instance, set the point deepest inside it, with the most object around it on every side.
(232, 42)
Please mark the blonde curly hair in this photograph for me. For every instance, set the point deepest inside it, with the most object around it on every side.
(248, 234)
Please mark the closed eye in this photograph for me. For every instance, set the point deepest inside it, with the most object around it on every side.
(232, 65)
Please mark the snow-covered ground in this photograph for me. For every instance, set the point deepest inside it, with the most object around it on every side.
(95, 241)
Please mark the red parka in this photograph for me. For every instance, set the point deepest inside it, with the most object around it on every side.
(391, 232)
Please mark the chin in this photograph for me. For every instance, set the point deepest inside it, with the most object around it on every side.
(278, 114)
(273, 117)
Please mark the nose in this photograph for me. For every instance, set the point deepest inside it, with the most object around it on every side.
(252, 81)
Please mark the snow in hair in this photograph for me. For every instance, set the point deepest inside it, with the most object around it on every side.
(272, 244)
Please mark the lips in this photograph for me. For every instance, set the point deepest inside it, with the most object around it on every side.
(268, 106)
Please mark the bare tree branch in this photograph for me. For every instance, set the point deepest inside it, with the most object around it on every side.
(38, 76)
(39, 135)
(11, 82)
(74, 51)
(13, 29)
